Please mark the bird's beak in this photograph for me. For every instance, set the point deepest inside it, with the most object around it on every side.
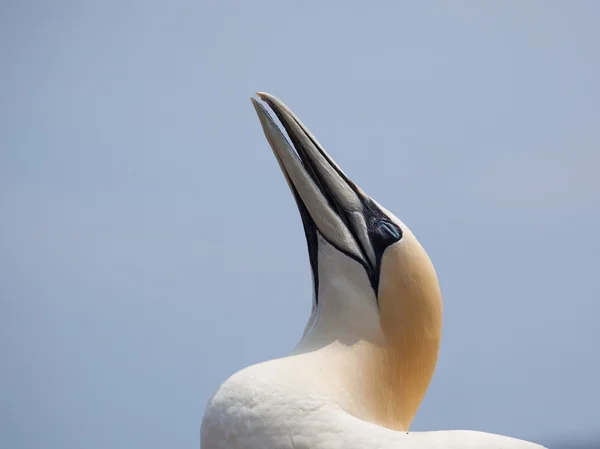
(329, 202)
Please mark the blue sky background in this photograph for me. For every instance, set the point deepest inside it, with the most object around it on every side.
(149, 246)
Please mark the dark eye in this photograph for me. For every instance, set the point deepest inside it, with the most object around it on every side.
(387, 233)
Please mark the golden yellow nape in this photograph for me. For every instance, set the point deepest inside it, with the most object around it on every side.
(410, 304)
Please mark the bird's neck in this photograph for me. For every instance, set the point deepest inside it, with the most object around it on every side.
(378, 384)
(378, 379)
(376, 356)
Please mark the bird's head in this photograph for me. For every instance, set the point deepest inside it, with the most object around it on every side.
(373, 281)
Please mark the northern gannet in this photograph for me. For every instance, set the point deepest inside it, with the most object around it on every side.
(358, 375)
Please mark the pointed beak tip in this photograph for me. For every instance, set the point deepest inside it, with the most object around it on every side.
(261, 96)
(264, 96)
(258, 107)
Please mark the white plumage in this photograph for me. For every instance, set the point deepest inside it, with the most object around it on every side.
(370, 347)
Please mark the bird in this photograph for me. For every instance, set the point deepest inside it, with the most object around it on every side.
(369, 349)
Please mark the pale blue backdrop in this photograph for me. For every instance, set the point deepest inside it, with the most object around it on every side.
(149, 246)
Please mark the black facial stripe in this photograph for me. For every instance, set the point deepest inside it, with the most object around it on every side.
(310, 231)
(310, 227)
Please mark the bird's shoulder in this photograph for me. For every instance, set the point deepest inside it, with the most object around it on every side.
(257, 407)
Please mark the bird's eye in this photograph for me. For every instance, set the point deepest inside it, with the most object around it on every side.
(387, 232)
